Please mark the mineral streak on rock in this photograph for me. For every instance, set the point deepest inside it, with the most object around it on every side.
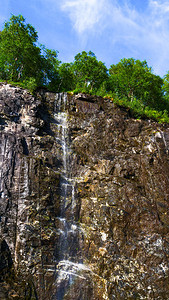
(84, 199)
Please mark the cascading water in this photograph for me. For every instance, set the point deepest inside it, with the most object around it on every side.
(68, 258)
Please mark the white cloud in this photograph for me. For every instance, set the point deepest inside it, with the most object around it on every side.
(85, 14)
(159, 6)
(156, 28)
(120, 22)
(113, 28)
(95, 15)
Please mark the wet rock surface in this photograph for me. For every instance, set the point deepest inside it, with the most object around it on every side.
(114, 226)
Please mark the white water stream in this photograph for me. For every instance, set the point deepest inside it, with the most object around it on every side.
(68, 263)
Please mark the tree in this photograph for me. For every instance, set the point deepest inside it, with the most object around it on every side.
(89, 72)
(50, 68)
(134, 79)
(166, 86)
(166, 91)
(67, 77)
(20, 58)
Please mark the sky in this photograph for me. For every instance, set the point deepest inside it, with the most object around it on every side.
(112, 29)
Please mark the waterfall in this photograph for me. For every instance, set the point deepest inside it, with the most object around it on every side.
(68, 262)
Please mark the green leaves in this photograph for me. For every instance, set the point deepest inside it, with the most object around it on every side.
(21, 60)
(18, 52)
(130, 82)
(50, 68)
(67, 77)
(89, 72)
(166, 85)
(134, 79)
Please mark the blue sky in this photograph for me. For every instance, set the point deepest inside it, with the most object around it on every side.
(112, 29)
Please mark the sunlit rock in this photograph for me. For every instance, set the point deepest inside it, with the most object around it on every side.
(83, 199)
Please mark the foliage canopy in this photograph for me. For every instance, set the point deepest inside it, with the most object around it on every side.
(89, 72)
(130, 82)
(20, 57)
(134, 79)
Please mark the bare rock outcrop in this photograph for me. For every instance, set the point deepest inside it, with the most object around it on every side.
(84, 199)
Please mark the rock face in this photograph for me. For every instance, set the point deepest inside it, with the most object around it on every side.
(84, 199)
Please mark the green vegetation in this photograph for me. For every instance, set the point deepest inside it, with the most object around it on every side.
(129, 83)
(21, 60)
(19, 55)
(135, 80)
(89, 73)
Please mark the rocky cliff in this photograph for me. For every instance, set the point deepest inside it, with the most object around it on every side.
(84, 199)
